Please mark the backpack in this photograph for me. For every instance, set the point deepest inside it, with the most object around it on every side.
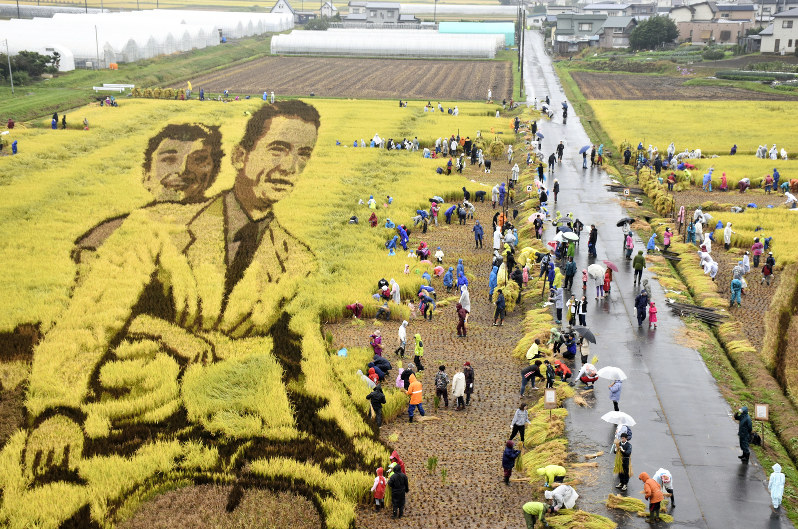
(549, 371)
(755, 439)
(441, 380)
(628, 433)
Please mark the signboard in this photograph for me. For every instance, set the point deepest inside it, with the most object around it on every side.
(761, 412)
(626, 192)
(529, 189)
(549, 399)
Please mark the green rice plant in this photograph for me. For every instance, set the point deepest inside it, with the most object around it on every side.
(432, 464)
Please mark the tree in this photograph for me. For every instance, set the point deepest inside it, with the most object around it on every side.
(652, 32)
(318, 24)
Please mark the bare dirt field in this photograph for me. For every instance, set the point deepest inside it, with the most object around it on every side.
(364, 78)
(597, 85)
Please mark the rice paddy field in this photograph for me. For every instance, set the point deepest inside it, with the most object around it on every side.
(128, 395)
(712, 126)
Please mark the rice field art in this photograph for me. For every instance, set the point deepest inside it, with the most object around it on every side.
(179, 314)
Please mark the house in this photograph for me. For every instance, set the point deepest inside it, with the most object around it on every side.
(537, 17)
(328, 9)
(642, 10)
(577, 31)
(611, 10)
(300, 17)
(615, 32)
(782, 36)
(765, 9)
(362, 13)
(737, 11)
(702, 11)
(558, 9)
(720, 31)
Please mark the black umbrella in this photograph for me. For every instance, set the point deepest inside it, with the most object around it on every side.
(625, 220)
(586, 333)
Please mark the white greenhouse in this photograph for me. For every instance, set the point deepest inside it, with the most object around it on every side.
(89, 40)
(398, 44)
(459, 9)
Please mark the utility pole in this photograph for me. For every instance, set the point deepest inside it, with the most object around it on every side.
(435, 12)
(10, 75)
(85, 4)
(97, 43)
(18, 15)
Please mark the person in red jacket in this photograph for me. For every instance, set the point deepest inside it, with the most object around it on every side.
(398, 460)
(379, 490)
(562, 370)
(653, 494)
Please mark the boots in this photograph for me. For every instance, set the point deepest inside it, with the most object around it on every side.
(411, 418)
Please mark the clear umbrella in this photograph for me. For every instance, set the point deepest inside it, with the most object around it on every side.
(612, 373)
(618, 417)
(595, 271)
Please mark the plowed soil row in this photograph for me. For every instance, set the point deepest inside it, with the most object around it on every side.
(468, 444)
(364, 78)
(596, 85)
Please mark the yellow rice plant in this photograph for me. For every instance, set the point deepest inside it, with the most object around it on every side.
(741, 166)
(689, 124)
(778, 223)
(576, 519)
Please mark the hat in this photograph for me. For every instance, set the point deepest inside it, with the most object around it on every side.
(770, 253)
(467, 364)
(549, 494)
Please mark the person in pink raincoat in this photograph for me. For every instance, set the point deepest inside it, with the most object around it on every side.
(584, 280)
(652, 315)
(525, 275)
(375, 340)
(666, 237)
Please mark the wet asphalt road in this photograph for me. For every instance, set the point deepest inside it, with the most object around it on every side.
(683, 422)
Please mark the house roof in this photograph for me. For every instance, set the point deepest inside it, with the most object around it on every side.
(767, 31)
(328, 3)
(357, 3)
(605, 7)
(735, 7)
(617, 22)
(382, 5)
(790, 13)
(286, 3)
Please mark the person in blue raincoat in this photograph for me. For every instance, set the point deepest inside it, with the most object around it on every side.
(502, 194)
(493, 281)
(427, 278)
(478, 233)
(449, 213)
(460, 267)
(448, 279)
(652, 243)
(708, 180)
(391, 245)
(461, 280)
(389, 224)
(403, 238)
(428, 291)
(776, 177)
(744, 432)
(691, 233)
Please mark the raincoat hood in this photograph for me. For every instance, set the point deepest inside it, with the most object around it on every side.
(411, 378)
(459, 306)
(379, 472)
(549, 494)
(776, 468)
(509, 444)
(404, 323)
(394, 456)
(744, 409)
(644, 476)
(417, 337)
(451, 269)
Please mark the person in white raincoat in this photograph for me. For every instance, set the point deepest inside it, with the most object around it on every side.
(563, 497)
(776, 486)
(707, 242)
(727, 233)
(400, 351)
(497, 239)
(396, 296)
(465, 298)
(665, 481)
(746, 263)
(458, 389)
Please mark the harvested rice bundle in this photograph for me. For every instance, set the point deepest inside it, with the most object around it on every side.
(571, 519)
(550, 453)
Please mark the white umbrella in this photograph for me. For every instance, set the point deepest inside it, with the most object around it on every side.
(559, 236)
(612, 373)
(571, 236)
(618, 417)
(595, 271)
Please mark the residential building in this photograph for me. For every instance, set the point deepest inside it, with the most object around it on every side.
(700, 12)
(328, 9)
(363, 13)
(300, 17)
(615, 32)
(782, 36)
(559, 9)
(737, 12)
(766, 9)
(577, 31)
(611, 10)
(641, 11)
(713, 31)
